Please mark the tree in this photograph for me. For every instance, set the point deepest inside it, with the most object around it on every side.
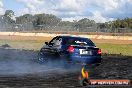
(9, 13)
(46, 19)
(86, 25)
(27, 18)
(9, 16)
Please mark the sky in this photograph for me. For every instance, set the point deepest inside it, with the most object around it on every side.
(69, 10)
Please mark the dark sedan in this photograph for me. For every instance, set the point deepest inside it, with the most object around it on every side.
(71, 49)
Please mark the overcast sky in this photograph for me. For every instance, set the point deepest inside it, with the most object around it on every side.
(98, 10)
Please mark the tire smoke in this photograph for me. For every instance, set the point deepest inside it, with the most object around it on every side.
(22, 62)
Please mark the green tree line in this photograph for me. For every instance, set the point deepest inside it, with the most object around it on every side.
(29, 22)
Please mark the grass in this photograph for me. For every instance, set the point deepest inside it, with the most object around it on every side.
(123, 49)
(24, 44)
(108, 48)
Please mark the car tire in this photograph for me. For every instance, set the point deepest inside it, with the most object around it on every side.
(42, 58)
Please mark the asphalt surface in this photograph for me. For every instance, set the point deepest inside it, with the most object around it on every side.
(18, 69)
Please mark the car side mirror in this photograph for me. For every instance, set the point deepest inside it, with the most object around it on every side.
(46, 43)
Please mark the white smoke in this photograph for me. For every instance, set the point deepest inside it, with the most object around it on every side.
(17, 62)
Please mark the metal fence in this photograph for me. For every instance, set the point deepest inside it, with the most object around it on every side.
(31, 27)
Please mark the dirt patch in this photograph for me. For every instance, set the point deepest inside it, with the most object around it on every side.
(5, 46)
(24, 38)
(38, 38)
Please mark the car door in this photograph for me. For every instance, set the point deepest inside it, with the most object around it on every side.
(55, 45)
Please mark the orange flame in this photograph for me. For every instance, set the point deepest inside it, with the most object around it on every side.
(84, 73)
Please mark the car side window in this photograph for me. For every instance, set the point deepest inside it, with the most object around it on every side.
(58, 41)
(51, 43)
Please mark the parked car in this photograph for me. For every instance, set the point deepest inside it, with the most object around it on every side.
(71, 49)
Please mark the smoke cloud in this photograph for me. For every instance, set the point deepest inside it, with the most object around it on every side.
(22, 62)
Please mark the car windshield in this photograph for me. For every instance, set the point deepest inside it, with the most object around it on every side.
(78, 41)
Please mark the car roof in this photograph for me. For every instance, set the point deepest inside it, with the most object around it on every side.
(72, 37)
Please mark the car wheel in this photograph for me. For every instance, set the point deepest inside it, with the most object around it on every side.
(41, 58)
